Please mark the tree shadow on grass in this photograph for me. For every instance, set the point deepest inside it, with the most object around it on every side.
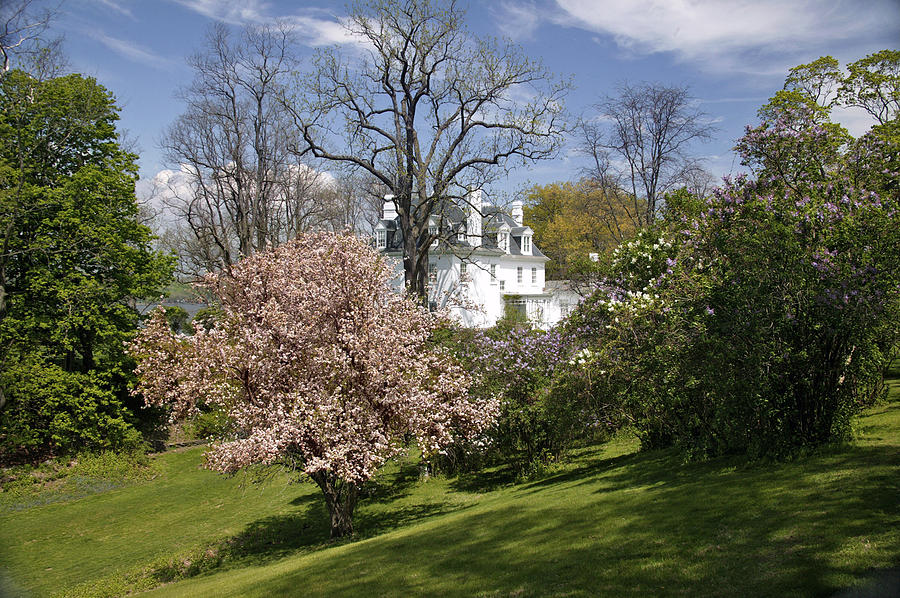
(586, 471)
(277, 536)
(308, 529)
(391, 485)
(799, 529)
(480, 482)
(373, 523)
(306, 499)
(261, 542)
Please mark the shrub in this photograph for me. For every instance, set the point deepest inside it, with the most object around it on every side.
(206, 317)
(211, 423)
(516, 365)
(59, 412)
(770, 326)
(178, 318)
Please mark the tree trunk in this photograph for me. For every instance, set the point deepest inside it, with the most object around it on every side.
(340, 496)
(414, 272)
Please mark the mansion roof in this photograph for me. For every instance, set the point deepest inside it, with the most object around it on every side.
(454, 235)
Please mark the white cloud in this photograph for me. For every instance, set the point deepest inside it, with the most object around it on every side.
(116, 6)
(228, 11)
(131, 50)
(315, 27)
(855, 120)
(763, 37)
(320, 32)
(159, 191)
(517, 21)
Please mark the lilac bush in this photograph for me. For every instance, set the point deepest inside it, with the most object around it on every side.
(519, 367)
(768, 327)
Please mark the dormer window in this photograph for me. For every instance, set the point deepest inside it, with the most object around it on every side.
(503, 241)
(432, 232)
(526, 244)
(461, 234)
(381, 238)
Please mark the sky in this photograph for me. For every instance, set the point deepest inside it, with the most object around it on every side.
(732, 54)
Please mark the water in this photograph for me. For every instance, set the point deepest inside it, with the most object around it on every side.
(191, 308)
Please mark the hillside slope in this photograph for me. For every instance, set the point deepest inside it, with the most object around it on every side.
(613, 522)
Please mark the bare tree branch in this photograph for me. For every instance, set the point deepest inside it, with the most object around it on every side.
(429, 112)
(23, 26)
(240, 189)
(641, 141)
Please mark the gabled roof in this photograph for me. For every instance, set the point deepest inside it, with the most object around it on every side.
(454, 220)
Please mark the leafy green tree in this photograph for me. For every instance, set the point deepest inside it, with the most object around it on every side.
(572, 220)
(873, 84)
(72, 253)
(812, 86)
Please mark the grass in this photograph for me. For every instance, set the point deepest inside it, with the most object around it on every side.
(56, 546)
(613, 522)
(66, 479)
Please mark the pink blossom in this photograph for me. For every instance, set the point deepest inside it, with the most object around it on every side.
(317, 362)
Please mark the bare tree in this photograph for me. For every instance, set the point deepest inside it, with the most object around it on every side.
(23, 26)
(641, 141)
(352, 202)
(239, 189)
(428, 111)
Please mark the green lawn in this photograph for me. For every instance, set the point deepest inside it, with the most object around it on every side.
(613, 522)
(48, 548)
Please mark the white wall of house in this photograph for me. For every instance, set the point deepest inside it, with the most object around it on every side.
(562, 300)
(475, 281)
(478, 300)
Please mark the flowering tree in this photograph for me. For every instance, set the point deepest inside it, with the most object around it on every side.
(319, 365)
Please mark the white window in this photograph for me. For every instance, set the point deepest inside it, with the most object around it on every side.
(519, 274)
(503, 242)
(463, 267)
(493, 272)
(432, 273)
(432, 230)
(534, 276)
(461, 234)
(381, 236)
(502, 284)
(526, 244)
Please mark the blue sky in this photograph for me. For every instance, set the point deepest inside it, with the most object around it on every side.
(733, 54)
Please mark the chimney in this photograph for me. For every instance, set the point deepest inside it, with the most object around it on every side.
(473, 221)
(516, 212)
(390, 209)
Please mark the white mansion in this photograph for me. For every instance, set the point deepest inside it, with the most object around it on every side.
(485, 261)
